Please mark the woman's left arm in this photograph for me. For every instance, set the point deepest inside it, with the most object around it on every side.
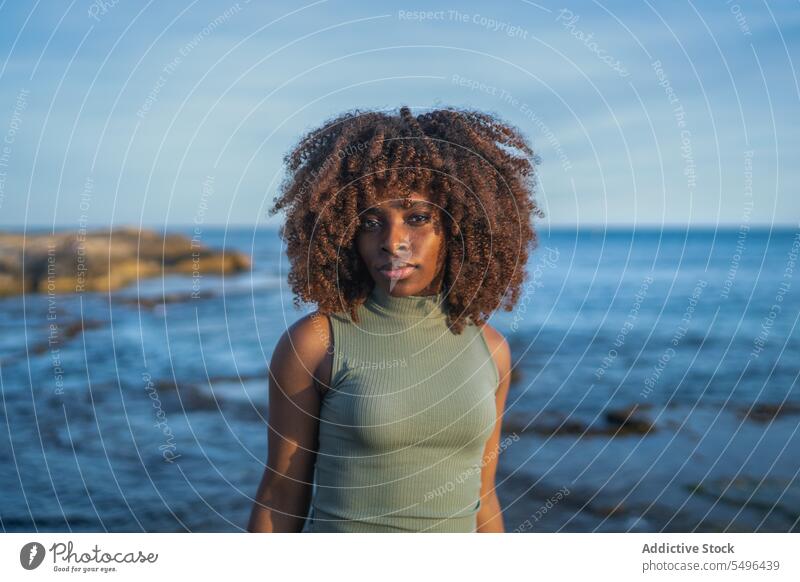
(490, 514)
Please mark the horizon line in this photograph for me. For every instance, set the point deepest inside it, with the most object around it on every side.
(539, 228)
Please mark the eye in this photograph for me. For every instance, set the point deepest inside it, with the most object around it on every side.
(369, 224)
(423, 218)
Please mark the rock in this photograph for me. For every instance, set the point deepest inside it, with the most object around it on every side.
(628, 420)
(167, 298)
(766, 494)
(765, 412)
(64, 334)
(104, 260)
(614, 510)
(618, 423)
(546, 423)
(565, 427)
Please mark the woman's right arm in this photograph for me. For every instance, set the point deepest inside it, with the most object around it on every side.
(284, 494)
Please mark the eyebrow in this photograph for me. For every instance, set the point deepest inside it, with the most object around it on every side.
(415, 204)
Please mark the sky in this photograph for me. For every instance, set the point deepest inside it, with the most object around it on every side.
(114, 112)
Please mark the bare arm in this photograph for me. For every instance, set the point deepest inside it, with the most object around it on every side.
(284, 494)
(490, 514)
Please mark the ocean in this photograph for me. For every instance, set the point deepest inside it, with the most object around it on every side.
(153, 417)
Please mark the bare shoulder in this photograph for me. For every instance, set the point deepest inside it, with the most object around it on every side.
(497, 342)
(305, 347)
(312, 331)
(498, 345)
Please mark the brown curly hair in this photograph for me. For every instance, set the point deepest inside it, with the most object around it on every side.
(463, 160)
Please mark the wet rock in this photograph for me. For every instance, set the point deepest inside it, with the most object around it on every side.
(629, 420)
(564, 427)
(766, 494)
(766, 412)
(614, 510)
(151, 302)
(64, 334)
(194, 398)
(55, 339)
(622, 422)
(104, 260)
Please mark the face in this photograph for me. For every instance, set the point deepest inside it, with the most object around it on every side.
(403, 247)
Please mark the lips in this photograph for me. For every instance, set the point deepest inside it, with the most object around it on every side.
(397, 270)
(395, 265)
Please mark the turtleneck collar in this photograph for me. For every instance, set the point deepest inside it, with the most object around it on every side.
(411, 306)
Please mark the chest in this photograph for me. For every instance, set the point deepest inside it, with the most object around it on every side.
(387, 394)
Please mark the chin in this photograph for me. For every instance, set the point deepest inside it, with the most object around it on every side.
(400, 287)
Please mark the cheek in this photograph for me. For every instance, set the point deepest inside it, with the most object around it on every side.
(431, 246)
(363, 246)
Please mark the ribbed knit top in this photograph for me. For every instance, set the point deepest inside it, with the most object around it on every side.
(404, 422)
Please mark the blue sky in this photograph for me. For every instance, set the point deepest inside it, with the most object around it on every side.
(668, 113)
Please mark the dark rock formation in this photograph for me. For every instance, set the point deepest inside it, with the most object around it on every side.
(104, 260)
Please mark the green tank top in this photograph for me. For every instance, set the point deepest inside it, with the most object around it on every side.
(404, 422)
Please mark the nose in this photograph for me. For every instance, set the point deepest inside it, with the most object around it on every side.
(396, 241)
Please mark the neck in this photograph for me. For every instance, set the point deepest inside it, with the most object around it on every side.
(410, 306)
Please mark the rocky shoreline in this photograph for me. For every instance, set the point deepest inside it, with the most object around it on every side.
(105, 260)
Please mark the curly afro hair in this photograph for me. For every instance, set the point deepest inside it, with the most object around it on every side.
(478, 170)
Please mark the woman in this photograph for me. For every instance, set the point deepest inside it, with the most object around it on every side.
(407, 232)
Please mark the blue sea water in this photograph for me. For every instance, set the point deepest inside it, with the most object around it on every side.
(154, 418)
